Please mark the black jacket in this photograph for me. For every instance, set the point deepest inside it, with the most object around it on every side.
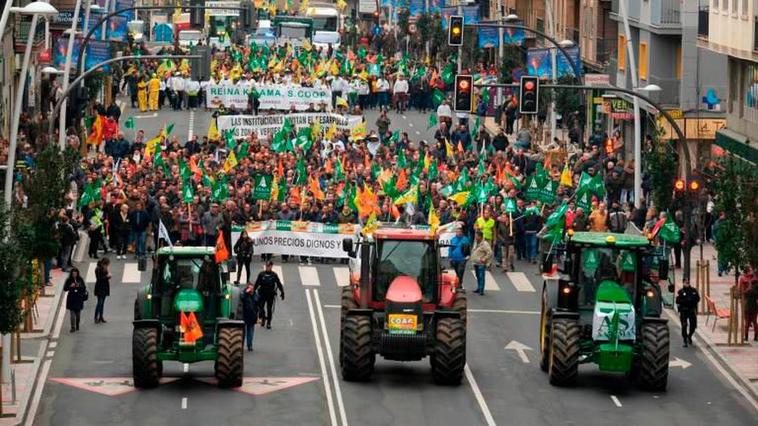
(102, 283)
(76, 290)
(687, 299)
(267, 283)
(244, 248)
(249, 303)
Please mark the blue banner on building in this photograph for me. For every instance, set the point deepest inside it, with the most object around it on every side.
(539, 62)
(436, 5)
(416, 7)
(97, 51)
(488, 37)
(513, 36)
(445, 14)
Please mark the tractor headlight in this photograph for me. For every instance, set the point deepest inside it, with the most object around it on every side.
(227, 296)
(149, 296)
(650, 293)
(566, 290)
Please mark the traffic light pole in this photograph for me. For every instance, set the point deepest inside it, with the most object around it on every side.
(95, 68)
(682, 143)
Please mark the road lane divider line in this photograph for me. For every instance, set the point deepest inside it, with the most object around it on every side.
(90, 277)
(342, 276)
(191, 131)
(616, 401)
(321, 361)
(37, 393)
(330, 356)
(132, 274)
(521, 282)
(309, 276)
(490, 421)
(184, 403)
(186, 368)
(489, 281)
(278, 270)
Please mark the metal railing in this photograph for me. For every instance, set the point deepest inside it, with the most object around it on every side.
(665, 12)
(604, 49)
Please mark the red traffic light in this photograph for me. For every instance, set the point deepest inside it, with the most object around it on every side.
(529, 85)
(463, 84)
(679, 185)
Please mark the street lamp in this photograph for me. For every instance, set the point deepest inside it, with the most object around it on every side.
(566, 43)
(512, 17)
(51, 70)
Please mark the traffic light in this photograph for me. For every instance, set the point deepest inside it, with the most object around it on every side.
(464, 96)
(455, 31)
(695, 185)
(679, 187)
(529, 95)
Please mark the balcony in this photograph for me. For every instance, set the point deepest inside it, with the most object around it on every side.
(665, 13)
(633, 8)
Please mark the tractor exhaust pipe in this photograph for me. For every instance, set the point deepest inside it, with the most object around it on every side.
(365, 271)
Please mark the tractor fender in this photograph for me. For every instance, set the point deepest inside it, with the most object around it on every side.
(445, 313)
(146, 323)
(555, 314)
(550, 291)
(227, 323)
(360, 312)
(448, 288)
(235, 307)
(141, 306)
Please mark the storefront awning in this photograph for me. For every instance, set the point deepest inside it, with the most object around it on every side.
(737, 144)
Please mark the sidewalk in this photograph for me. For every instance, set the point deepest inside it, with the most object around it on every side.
(740, 361)
(34, 347)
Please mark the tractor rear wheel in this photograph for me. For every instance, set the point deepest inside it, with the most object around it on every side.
(146, 368)
(449, 355)
(654, 357)
(460, 304)
(230, 362)
(563, 363)
(346, 302)
(356, 353)
(544, 337)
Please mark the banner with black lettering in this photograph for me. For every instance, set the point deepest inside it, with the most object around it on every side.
(298, 238)
(270, 96)
(265, 125)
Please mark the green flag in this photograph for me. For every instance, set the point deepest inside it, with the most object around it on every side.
(129, 124)
(669, 231)
(432, 121)
(433, 170)
(278, 143)
(395, 136)
(302, 174)
(229, 138)
(169, 128)
(339, 173)
(262, 190)
(303, 139)
(401, 160)
(187, 194)
(243, 150)
(437, 97)
(510, 205)
(184, 171)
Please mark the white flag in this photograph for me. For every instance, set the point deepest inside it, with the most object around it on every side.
(163, 233)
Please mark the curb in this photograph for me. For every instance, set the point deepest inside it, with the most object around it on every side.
(710, 348)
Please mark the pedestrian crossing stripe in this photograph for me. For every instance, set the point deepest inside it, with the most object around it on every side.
(521, 282)
(489, 281)
(309, 276)
(131, 273)
(342, 276)
(90, 277)
(278, 270)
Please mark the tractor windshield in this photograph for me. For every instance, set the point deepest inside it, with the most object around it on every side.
(603, 264)
(190, 274)
(402, 257)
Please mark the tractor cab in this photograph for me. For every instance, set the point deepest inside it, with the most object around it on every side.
(401, 305)
(603, 306)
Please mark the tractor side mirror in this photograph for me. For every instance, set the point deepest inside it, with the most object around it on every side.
(663, 269)
(547, 263)
(347, 247)
(225, 276)
(142, 264)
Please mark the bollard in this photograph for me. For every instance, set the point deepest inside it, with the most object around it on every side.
(13, 386)
(730, 339)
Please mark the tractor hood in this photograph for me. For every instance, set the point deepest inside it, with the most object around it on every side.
(613, 319)
(404, 289)
(188, 300)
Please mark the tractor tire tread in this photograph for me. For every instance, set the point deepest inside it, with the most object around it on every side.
(346, 302)
(460, 304)
(230, 362)
(563, 364)
(449, 354)
(146, 368)
(654, 357)
(357, 356)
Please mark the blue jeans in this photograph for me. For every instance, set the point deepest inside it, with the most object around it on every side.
(531, 245)
(249, 333)
(459, 266)
(479, 271)
(139, 239)
(99, 307)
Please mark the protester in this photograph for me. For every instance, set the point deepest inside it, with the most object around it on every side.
(687, 299)
(77, 295)
(266, 285)
(249, 300)
(244, 250)
(481, 256)
(102, 287)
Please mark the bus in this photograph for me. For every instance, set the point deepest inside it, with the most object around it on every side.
(292, 29)
(327, 23)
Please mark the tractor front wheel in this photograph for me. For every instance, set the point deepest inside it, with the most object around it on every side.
(563, 363)
(460, 304)
(346, 302)
(356, 354)
(146, 368)
(449, 356)
(230, 362)
(654, 357)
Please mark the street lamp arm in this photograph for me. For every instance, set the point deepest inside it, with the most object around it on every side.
(104, 18)
(574, 67)
(87, 73)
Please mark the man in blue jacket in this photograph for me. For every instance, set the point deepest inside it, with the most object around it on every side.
(459, 253)
(139, 220)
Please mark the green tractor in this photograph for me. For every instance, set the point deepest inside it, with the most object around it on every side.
(603, 306)
(187, 313)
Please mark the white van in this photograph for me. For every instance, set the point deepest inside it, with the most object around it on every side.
(327, 23)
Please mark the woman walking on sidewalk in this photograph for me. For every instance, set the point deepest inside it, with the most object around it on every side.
(102, 287)
(77, 294)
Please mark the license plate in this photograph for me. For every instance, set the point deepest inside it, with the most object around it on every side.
(402, 323)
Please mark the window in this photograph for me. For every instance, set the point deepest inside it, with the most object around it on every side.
(643, 61)
(734, 7)
(715, 6)
(725, 5)
(622, 53)
(750, 92)
(411, 258)
(678, 63)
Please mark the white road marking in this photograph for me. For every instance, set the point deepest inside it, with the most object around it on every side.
(184, 403)
(322, 363)
(678, 362)
(490, 421)
(342, 275)
(718, 367)
(309, 276)
(131, 273)
(90, 277)
(489, 281)
(417, 132)
(330, 356)
(405, 117)
(278, 270)
(521, 282)
(52, 345)
(616, 401)
(191, 131)
(153, 115)
(520, 349)
(186, 368)
(41, 379)
(50, 354)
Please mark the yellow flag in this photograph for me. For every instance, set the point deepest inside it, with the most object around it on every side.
(231, 162)
(213, 131)
(334, 69)
(307, 45)
(359, 131)
(434, 220)
(410, 196)
(341, 102)
(272, 9)
(150, 145)
(449, 149)
(566, 179)
(459, 197)
(427, 161)
(371, 225)
(303, 7)
(315, 129)
(341, 5)
(331, 131)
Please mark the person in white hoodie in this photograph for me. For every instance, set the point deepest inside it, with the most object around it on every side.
(400, 90)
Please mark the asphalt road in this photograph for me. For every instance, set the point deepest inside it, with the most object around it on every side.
(292, 377)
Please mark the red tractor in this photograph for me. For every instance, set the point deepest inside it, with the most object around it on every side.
(401, 305)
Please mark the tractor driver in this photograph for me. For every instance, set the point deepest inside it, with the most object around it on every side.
(208, 286)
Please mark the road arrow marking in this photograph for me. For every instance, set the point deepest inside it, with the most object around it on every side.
(520, 348)
(110, 386)
(678, 362)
